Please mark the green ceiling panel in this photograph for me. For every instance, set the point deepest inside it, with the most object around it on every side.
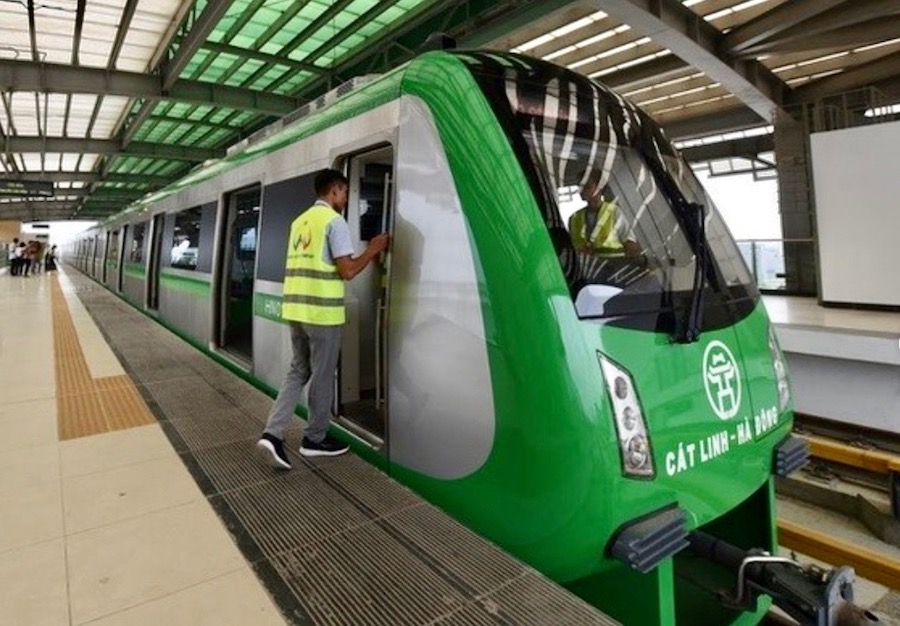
(290, 29)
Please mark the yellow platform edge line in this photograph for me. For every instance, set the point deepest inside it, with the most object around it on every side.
(85, 405)
(867, 563)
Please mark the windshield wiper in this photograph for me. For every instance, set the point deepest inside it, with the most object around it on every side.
(687, 328)
(692, 217)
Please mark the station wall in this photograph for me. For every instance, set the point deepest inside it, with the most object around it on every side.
(857, 190)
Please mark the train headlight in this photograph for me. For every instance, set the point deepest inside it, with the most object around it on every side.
(634, 442)
(781, 376)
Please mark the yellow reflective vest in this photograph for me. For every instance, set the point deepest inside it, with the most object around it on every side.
(603, 238)
(313, 289)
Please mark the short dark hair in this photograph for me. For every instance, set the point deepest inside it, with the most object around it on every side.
(328, 178)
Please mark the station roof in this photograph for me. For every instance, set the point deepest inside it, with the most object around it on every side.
(110, 99)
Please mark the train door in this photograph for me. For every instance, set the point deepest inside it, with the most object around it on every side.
(96, 251)
(156, 238)
(362, 376)
(237, 265)
(121, 257)
(104, 256)
(112, 259)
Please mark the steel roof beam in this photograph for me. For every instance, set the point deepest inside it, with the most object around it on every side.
(56, 78)
(774, 22)
(853, 78)
(890, 88)
(701, 125)
(35, 214)
(212, 13)
(124, 25)
(321, 20)
(655, 71)
(676, 27)
(159, 117)
(847, 37)
(394, 46)
(52, 205)
(147, 106)
(79, 25)
(73, 195)
(224, 48)
(848, 14)
(32, 31)
(527, 14)
(743, 148)
(372, 14)
(109, 146)
(89, 177)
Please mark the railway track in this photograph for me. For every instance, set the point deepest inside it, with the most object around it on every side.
(849, 434)
(853, 456)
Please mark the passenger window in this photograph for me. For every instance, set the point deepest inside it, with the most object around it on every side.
(186, 240)
(136, 254)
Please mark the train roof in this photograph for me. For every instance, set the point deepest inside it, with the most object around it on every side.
(372, 93)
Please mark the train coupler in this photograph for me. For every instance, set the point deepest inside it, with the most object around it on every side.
(811, 595)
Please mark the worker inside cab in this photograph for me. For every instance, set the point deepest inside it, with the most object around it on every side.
(599, 228)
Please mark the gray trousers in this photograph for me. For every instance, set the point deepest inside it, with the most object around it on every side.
(316, 350)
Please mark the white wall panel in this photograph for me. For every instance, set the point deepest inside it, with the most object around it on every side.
(856, 174)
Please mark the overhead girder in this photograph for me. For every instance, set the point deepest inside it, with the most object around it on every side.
(889, 88)
(654, 71)
(109, 146)
(525, 14)
(854, 36)
(121, 196)
(774, 22)
(87, 177)
(736, 118)
(171, 68)
(30, 214)
(853, 78)
(678, 28)
(35, 207)
(213, 12)
(745, 148)
(224, 48)
(818, 22)
(57, 78)
(454, 17)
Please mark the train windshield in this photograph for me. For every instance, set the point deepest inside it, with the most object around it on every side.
(615, 197)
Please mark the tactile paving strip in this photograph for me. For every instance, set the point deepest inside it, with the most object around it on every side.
(336, 542)
(88, 406)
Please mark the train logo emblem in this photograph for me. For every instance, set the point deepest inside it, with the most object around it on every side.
(722, 380)
(304, 238)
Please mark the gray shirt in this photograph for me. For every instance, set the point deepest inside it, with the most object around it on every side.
(338, 234)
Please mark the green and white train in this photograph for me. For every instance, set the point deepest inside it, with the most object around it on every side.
(615, 422)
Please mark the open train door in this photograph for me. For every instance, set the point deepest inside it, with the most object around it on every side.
(156, 239)
(237, 273)
(361, 398)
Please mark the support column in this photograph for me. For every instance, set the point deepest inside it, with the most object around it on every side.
(795, 198)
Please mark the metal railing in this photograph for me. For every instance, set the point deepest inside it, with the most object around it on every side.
(780, 264)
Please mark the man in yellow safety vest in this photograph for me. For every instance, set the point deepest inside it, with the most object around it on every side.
(599, 228)
(319, 260)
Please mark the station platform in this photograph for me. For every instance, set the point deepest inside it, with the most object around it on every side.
(844, 363)
(131, 493)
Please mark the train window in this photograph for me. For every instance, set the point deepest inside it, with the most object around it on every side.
(112, 250)
(724, 248)
(606, 183)
(136, 253)
(186, 240)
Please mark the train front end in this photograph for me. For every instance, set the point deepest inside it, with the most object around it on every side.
(670, 405)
